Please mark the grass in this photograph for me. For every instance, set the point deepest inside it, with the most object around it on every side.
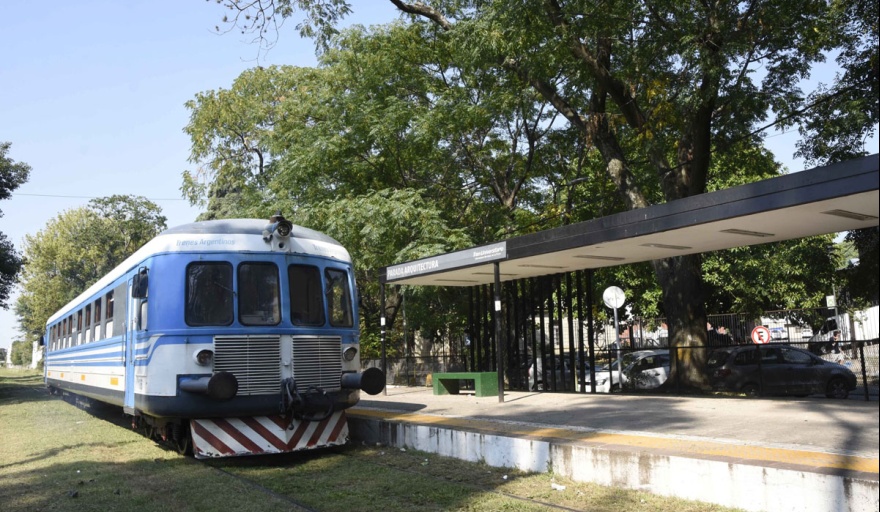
(56, 457)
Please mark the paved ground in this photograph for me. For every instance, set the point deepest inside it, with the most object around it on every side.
(841, 427)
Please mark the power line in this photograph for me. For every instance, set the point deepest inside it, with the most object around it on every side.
(90, 197)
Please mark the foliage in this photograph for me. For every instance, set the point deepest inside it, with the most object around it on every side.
(654, 95)
(12, 176)
(21, 352)
(847, 111)
(861, 279)
(409, 227)
(136, 219)
(77, 248)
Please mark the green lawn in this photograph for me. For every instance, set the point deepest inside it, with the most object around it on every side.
(56, 457)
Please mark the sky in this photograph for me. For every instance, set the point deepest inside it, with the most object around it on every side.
(92, 97)
(93, 94)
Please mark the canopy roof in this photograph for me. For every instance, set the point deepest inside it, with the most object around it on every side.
(831, 199)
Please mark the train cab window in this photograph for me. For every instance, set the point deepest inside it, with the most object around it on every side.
(259, 298)
(208, 294)
(306, 298)
(338, 298)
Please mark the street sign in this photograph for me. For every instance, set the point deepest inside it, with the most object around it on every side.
(613, 297)
(761, 335)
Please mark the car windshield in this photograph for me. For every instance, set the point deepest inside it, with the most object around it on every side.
(625, 360)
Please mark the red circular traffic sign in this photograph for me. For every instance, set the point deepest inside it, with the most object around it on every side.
(761, 335)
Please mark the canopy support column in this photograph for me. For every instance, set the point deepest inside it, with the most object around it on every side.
(499, 345)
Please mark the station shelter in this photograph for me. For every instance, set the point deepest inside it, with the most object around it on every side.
(547, 276)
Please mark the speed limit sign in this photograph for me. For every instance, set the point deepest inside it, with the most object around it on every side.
(761, 335)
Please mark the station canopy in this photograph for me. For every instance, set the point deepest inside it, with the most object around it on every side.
(831, 199)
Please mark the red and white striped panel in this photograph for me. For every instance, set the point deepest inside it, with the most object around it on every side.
(254, 435)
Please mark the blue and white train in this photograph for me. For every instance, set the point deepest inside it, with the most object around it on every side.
(225, 337)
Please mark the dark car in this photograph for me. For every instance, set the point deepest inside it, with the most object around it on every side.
(783, 370)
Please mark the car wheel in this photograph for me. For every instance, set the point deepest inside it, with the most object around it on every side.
(837, 388)
(751, 390)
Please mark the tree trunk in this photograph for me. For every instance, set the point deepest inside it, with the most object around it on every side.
(681, 280)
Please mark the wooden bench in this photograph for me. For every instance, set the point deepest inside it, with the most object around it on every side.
(485, 383)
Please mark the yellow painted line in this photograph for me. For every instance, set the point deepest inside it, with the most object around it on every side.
(687, 447)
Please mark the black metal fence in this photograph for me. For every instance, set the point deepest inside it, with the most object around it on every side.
(550, 340)
(734, 368)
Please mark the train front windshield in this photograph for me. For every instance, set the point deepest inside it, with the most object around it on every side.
(210, 295)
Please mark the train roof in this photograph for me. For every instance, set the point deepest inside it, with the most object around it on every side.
(227, 235)
(242, 227)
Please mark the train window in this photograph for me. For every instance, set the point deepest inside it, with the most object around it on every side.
(108, 328)
(87, 324)
(306, 302)
(338, 298)
(98, 325)
(259, 299)
(119, 310)
(208, 294)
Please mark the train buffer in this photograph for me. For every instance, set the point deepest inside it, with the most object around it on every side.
(485, 383)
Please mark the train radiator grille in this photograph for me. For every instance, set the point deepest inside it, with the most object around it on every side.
(254, 360)
(317, 361)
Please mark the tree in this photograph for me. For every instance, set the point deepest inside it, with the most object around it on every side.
(861, 278)
(77, 248)
(411, 227)
(845, 113)
(12, 176)
(136, 219)
(656, 90)
(295, 138)
(21, 353)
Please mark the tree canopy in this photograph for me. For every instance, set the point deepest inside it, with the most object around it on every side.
(77, 248)
(12, 175)
(465, 101)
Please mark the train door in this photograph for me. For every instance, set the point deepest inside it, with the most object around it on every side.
(135, 325)
(129, 340)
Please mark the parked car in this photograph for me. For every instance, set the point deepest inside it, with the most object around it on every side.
(783, 370)
(643, 369)
(778, 333)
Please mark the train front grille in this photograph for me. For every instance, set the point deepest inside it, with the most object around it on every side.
(317, 361)
(254, 360)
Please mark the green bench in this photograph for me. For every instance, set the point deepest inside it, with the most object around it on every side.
(485, 383)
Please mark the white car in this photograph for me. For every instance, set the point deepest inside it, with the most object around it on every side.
(644, 369)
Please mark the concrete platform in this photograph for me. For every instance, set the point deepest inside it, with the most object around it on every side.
(756, 454)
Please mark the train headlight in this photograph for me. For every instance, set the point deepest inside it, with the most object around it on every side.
(204, 357)
(279, 226)
(349, 353)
